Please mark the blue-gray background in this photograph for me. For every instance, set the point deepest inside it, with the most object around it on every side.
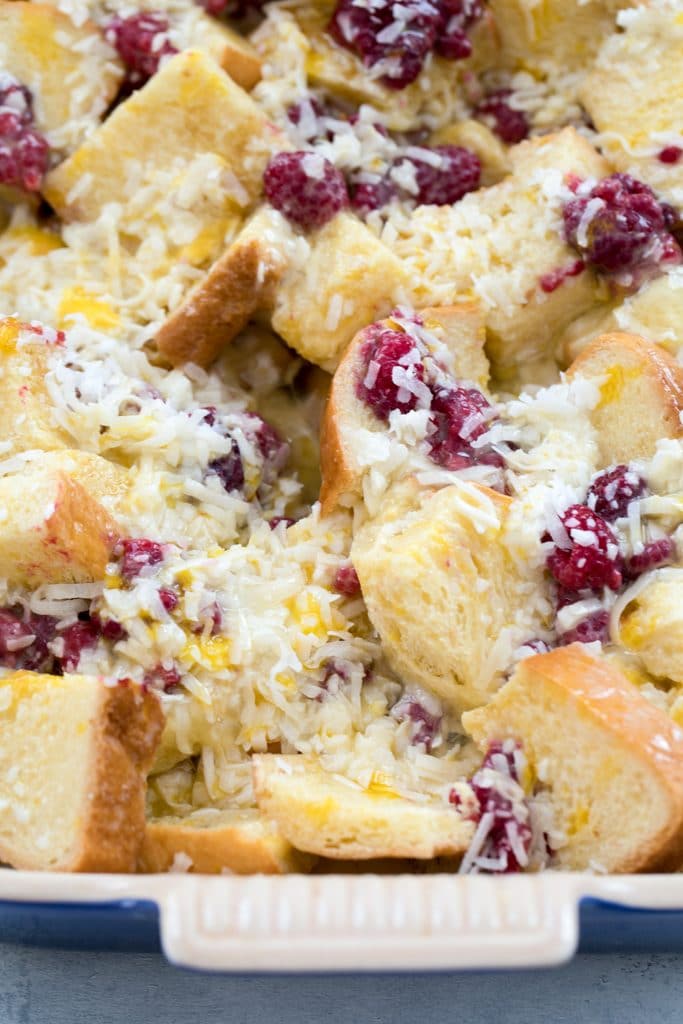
(40, 986)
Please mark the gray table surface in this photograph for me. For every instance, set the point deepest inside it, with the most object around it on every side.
(51, 987)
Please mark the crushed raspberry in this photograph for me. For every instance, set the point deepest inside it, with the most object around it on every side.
(670, 155)
(395, 37)
(621, 226)
(162, 678)
(210, 413)
(336, 672)
(426, 724)
(78, 637)
(613, 490)
(593, 627)
(537, 646)
(305, 187)
(233, 8)
(367, 196)
(109, 628)
(229, 468)
(137, 555)
(458, 16)
(388, 356)
(272, 448)
(459, 416)
(305, 115)
(592, 559)
(457, 172)
(276, 520)
(24, 640)
(169, 598)
(141, 40)
(24, 153)
(346, 581)
(500, 800)
(551, 281)
(510, 125)
(654, 554)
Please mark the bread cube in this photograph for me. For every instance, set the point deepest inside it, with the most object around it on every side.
(51, 529)
(26, 420)
(442, 589)
(634, 95)
(610, 761)
(212, 841)
(460, 327)
(73, 75)
(105, 481)
(73, 760)
(318, 290)
(651, 626)
(189, 109)
(328, 815)
(556, 36)
(641, 395)
(434, 97)
(498, 243)
(655, 312)
(233, 52)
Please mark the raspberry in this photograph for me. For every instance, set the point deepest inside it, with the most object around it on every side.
(396, 36)
(229, 469)
(305, 116)
(452, 41)
(24, 153)
(458, 418)
(656, 553)
(305, 187)
(551, 281)
(109, 628)
(612, 491)
(346, 581)
(388, 354)
(510, 125)
(139, 554)
(140, 40)
(78, 637)
(496, 788)
(271, 447)
(443, 182)
(593, 627)
(367, 196)
(336, 672)
(276, 520)
(592, 561)
(626, 227)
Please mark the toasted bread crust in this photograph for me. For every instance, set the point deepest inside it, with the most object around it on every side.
(243, 845)
(125, 736)
(596, 693)
(219, 307)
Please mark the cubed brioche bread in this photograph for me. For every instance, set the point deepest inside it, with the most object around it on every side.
(459, 327)
(634, 95)
(556, 35)
(317, 290)
(641, 395)
(76, 752)
(611, 761)
(72, 73)
(436, 95)
(51, 529)
(328, 815)
(213, 842)
(232, 51)
(655, 312)
(651, 626)
(498, 243)
(106, 482)
(26, 420)
(188, 109)
(441, 587)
